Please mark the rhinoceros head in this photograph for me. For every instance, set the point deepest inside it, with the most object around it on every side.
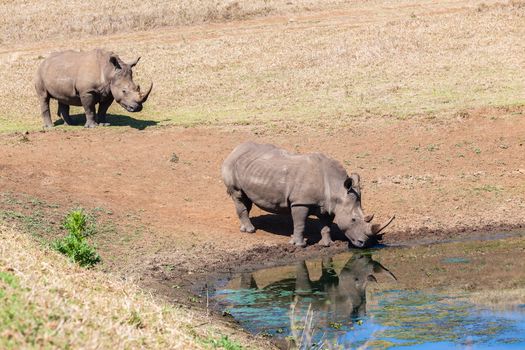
(350, 218)
(359, 270)
(123, 89)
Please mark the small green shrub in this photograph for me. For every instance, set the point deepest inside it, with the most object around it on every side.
(75, 245)
(79, 224)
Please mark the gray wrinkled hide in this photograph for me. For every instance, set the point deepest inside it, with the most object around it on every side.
(309, 184)
(86, 79)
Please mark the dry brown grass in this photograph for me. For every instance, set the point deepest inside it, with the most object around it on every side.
(47, 302)
(64, 19)
(380, 58)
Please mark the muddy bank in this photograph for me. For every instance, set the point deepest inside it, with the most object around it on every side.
(202, 282)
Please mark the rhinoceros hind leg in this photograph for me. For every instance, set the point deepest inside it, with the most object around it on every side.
(46, 115)
(243, 205)
(102, 111)
(299, 215)
(63, 111)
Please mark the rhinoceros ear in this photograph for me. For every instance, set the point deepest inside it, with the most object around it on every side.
(352, 181)
(348, 183)
(116, 61)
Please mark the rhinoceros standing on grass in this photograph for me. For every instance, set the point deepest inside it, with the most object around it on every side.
(85, 79)
(309, 184)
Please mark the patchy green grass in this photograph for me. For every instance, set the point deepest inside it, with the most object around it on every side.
(17, 317)
(223, 343)
(488, 188)
(31, 214)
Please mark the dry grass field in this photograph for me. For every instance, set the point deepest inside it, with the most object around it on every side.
(48, 303)
(350, 60)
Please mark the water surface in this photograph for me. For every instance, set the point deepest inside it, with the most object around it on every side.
(466, 295)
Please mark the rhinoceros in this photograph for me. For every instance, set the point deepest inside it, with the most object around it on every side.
(309, 184)
(346, 291)
(85, 79)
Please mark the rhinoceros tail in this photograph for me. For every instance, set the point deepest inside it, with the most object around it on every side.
(227, 177)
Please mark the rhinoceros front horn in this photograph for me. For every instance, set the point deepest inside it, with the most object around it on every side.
(376, 228)
(144, 97)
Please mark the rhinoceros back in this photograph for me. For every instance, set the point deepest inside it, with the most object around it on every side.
(64, 74)
(275, 179)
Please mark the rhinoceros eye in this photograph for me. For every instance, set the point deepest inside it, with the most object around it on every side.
(353, 219)
(124, 91)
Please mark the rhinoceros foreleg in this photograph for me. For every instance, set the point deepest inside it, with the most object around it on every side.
(243, 205)
(302, 281)
(46, 115)
(102, 111)
(63, 111)
(247, 281)
(299, 215)
(88, 102)
(326, 239)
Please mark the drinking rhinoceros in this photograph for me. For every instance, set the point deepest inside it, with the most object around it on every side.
(85, 79)
(310, 184)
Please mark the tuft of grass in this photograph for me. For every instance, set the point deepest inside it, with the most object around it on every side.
(432, 147)
(135, 319)
(75, 245)
(488, 188)
(223, 343)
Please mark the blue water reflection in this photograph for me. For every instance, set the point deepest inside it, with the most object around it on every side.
(332, 311)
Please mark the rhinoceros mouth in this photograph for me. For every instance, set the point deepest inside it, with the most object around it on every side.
(132, 109)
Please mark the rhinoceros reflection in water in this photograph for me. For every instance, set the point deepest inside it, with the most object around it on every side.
(333, 297)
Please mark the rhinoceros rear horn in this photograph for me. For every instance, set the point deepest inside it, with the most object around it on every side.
(376, 228)
(144, 97)
(369, 217)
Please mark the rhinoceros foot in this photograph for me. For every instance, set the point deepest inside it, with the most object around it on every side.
(104, 124)
(90, 125)
(248, 229)
(298, 242)
(326, 242)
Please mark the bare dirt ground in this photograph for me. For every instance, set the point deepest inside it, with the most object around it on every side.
(396, 99)
(443, 179)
